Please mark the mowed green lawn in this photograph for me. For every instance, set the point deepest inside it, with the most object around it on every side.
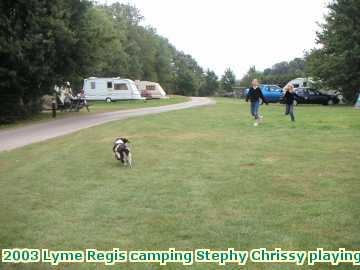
(203, 178)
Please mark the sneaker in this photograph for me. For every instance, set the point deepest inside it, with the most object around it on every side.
(256, 124)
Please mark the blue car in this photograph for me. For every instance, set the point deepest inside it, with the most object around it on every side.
(272, 93)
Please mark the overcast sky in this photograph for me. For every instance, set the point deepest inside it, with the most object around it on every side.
(235, 33)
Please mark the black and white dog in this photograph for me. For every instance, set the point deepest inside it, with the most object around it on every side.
(122, 151)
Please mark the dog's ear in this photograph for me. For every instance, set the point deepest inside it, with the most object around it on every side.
(125, 140)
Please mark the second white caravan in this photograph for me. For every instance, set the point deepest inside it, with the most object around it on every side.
(150, 89)
(110, 89)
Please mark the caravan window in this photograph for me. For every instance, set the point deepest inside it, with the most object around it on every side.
(150, 87)
(109, 85)
(120, 86)
(93, 85)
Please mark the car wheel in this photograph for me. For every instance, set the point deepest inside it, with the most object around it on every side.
(330, 102)
(108, 100)
(296, 102)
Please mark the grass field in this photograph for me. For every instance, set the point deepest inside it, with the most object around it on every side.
(99, 107)
(203, 178)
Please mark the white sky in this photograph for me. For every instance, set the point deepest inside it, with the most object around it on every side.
(235, 33)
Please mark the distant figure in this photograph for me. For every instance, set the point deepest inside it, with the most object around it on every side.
(82, 98)
(68, 93)
(289, 98)
(254, 95)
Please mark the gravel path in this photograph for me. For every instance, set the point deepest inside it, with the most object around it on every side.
(17, 137)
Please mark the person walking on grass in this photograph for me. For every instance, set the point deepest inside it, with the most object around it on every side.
(255, 94)
(289, 98)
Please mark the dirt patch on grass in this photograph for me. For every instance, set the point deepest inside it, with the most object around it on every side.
(247, 165)
(4, 164)
(270, 159)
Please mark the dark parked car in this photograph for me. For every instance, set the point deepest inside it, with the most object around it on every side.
(312, 96)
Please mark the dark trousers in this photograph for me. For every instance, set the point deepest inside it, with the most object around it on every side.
(289, 109)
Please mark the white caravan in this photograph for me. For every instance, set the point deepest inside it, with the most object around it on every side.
(150, 89)
(110, 89)
(302, 82)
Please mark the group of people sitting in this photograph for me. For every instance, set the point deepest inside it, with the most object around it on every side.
(66, 100)
(254, 95)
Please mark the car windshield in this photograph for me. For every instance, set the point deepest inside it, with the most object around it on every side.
(271, 88)
(275, 88)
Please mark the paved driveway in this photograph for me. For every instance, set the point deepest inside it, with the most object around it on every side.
(17, 137)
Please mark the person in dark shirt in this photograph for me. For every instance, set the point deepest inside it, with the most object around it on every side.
(289, 98)
(255, 94)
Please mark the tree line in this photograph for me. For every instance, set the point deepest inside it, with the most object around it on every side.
(279, 74)
(335, 64)
(43, 43)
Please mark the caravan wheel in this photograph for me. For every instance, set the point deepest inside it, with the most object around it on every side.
(108, 100)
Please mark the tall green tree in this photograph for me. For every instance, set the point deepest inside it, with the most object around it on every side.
(337, 62)
(164, 62)
(251, 74)
(37, 48)
(104, 52)
(228, 80)
(188, 75)
(210, 84)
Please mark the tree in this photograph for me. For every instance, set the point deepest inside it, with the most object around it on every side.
(210, 84)
(249, 76)
(102, 45)
(337, 62)
(43, 43)
(164, 62)
(228, 80)
(279, 74)
(295, 67)
(188, 75)
(37, 45)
